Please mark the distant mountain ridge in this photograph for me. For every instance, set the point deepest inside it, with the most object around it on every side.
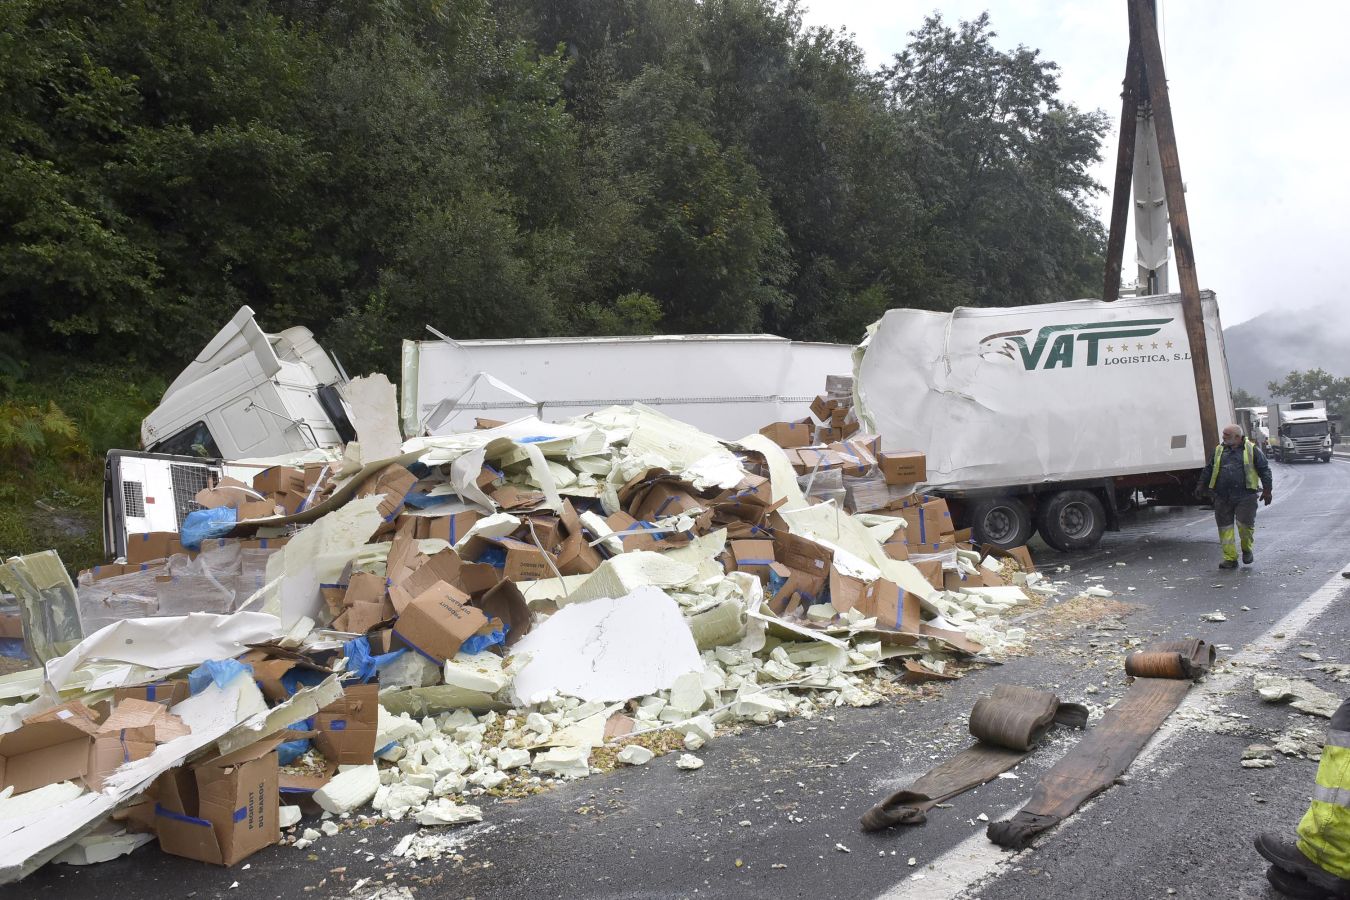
(1270, 346)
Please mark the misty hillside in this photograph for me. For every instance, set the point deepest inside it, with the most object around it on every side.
(1273, 344)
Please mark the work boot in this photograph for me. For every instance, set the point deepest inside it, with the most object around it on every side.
(1228, 564)
(1291, 885)
(1248, 557)
(1285, 854)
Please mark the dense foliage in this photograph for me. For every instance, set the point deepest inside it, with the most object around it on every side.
(516, 168)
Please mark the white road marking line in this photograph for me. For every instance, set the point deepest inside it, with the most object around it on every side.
(978, 859)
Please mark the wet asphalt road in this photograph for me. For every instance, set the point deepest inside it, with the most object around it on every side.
(768, 813)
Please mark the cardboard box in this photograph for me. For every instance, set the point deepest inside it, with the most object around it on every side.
(222, 810)
(292, 502)
(165, 693)
(142, 548)
(896, 549)
(346, 728)
(256, 509)
(525, 562)
(393, 482)
(443, 566)
(43, 753)
(824, 404)
(927, 524)
(226, 492)
(752, 491)
(790, 434)
(438, 621)
(475, 578)
(515, 497)
(858, 459)
(489, 478)
(798, 587)
(547, 530)
(754, 557)
(111, 751)
(451, 528)
(931, 570)
(834, 433)
(839, 385)
(846, 592)
(664, 499)
(811, 459)
(577, 556)
(894, 607)
(506, 604)
(803, 555)
(363, 587)
(279, 480)
(903, 466)
(362, 617)
(72, 712)
(633, 534)
(316, 473)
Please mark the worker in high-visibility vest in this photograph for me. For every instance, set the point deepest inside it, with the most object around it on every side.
(1317, 865)
(1238, 472)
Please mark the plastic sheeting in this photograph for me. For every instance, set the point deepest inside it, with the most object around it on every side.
(1022, 395)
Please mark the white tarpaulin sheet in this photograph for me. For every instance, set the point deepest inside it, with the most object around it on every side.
(1021, 395)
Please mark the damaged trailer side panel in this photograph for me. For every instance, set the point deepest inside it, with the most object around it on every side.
(726, 385)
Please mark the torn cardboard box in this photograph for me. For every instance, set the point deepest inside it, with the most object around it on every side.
(223, 810)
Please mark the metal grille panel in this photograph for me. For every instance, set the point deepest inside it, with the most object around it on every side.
(133, 499)
(187, 481)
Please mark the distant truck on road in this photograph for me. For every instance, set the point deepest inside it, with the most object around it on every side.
(1305, 431)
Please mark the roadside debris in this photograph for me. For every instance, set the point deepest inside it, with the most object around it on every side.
(1007, 725)
(407, 627)
(1216, 616)
(1106, 751)
(1258, 756)
(1304, 695)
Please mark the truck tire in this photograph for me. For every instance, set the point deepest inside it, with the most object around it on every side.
(1002, 521)
(1072, 520)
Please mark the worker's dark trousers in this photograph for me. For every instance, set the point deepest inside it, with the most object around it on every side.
(1226, 511)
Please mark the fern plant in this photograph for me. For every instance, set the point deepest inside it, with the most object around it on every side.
(27, 431)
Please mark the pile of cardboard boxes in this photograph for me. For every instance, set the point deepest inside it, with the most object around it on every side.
(450, 586)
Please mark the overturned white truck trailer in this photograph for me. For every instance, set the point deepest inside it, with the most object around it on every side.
(1032, 418)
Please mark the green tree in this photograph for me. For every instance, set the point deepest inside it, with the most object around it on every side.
(1242, 398)
(1002, 165)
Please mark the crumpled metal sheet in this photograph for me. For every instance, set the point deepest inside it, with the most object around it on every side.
(1002, 396)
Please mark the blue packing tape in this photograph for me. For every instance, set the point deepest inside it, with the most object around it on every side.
(337, 725)
(179, 817)
(240, 814)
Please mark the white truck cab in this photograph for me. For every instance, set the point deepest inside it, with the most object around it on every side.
(251, 394)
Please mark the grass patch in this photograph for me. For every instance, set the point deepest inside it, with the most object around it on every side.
(58, 418)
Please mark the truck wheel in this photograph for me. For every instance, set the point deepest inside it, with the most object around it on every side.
(1002, 521)
(1326, 457)
(1072, 520)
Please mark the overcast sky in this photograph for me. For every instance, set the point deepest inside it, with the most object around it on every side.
(1260, 95)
